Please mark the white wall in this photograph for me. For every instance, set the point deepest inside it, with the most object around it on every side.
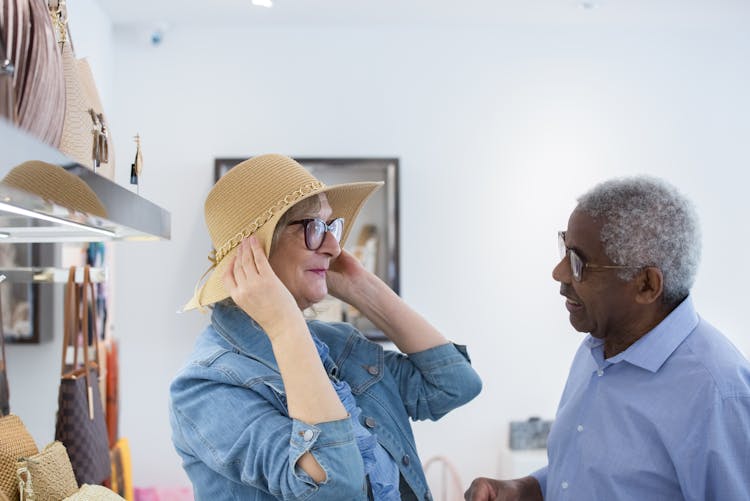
(498, 130)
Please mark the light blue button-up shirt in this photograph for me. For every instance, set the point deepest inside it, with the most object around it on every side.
(667, 419)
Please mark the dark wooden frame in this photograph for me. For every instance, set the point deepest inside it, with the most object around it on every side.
(23, 292)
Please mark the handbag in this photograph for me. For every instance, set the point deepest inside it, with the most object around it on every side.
(15, 443)
(37, 91)
(113, 398)
(94, 493)
(86, 137)
(47, 475)
(80, 418)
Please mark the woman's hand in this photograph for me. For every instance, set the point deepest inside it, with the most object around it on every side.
(344, 273)
(254, 287)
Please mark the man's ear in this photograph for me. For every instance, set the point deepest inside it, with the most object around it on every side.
(650, 282)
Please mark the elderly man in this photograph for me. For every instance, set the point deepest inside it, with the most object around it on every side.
(657, 402)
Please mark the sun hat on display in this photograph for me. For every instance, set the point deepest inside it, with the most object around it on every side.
(55, 184)
(251, 198)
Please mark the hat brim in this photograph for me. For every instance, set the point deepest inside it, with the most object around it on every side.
(346, 201)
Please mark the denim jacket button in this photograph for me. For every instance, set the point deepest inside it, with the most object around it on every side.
(427, 496)
(405, 460)
(373, 370)
(370, 422)
(307, 436)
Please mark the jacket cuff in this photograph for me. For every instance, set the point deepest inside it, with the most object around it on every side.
(317, 436)
(440, 356)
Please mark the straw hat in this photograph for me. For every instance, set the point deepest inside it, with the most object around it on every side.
(251, 198)
(54, 183)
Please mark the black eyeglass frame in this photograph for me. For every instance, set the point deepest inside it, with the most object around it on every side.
(335, 228)
(578, 264)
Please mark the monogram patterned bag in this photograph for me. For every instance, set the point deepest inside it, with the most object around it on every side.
(80, 419)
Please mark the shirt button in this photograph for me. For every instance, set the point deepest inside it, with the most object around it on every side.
(373, 370)
(307, 436)
(405, 460)
(580, 427)
(370, 422)
(564, 485)
(600, 373)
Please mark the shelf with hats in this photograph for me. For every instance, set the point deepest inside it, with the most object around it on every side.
(46, 197)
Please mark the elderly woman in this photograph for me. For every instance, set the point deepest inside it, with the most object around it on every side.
(271, 406)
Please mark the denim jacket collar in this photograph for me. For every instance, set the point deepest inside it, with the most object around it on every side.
(363, 366)
(243, 333)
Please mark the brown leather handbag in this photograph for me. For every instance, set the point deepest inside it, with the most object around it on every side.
(80, 419)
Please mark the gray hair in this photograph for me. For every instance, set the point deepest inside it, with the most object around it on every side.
(302, 208)
(647, 222)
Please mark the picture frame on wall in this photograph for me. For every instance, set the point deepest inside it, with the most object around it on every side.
(19, 301)
(374, 238)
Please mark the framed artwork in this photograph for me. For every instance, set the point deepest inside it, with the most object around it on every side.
(19, 301)
(374, 238)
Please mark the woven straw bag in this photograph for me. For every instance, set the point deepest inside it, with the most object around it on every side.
(15, 443)
(94, 493)
(47, 475)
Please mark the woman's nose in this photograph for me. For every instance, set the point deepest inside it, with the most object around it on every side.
(330, 245)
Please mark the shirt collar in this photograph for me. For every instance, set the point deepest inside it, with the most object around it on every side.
(653, 349)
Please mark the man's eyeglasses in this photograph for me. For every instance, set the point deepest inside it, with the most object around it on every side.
(577, 264)
(316, 229)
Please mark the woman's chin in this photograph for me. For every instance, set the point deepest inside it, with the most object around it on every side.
(313, 298)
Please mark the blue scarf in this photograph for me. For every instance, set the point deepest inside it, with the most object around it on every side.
(379, 466)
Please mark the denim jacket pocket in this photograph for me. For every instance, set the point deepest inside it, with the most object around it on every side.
(362, 364)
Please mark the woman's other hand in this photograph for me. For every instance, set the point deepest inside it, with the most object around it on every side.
(344, 274)
(256, 289)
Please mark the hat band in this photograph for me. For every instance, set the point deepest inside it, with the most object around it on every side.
(290, 198)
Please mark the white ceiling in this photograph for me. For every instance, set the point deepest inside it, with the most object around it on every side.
(428, 12)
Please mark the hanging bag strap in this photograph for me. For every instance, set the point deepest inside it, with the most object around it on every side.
(69, 323)
(90, 317)
(84, 338)
(4, 388)
(76, 334)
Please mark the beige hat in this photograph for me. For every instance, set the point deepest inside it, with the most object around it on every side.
(251, 198)
(54, 183)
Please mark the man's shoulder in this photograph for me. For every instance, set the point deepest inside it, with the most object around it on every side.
(709, 351)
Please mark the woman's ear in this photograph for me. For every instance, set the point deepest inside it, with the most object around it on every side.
(650, 285)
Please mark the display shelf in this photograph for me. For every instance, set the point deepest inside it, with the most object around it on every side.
(27, 217)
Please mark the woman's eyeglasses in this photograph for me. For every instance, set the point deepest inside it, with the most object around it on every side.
(316, 229)
(577, 264)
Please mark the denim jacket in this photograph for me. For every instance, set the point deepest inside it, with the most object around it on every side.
(231, 427)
